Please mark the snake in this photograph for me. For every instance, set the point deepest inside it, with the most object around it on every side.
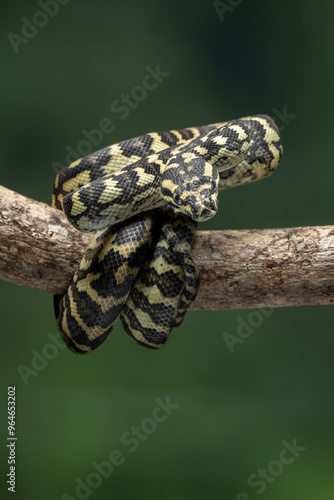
(143, 198)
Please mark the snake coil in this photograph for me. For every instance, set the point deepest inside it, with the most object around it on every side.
(143, 198)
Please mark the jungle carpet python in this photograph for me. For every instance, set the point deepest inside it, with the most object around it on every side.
(143, 198)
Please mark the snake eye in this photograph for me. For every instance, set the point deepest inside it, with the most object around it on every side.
(213, 185)
(176, 198)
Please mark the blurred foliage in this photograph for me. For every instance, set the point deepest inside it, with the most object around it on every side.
(235, 410)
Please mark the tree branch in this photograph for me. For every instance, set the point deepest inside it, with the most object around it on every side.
(239, 269)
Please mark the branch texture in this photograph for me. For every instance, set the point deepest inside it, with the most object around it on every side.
(239, 269)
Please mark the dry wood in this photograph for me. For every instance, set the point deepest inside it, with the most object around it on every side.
(239, 269)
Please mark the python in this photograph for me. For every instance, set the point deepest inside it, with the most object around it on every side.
(143, 197)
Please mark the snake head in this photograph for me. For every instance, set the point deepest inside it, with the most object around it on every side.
(191, 185)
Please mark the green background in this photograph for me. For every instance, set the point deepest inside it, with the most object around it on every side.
(235, 409)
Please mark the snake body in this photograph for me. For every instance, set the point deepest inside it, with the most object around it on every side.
(144, 197)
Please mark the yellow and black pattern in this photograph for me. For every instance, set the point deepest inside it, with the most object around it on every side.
(143, 197)
(87, 312)
(166, 285)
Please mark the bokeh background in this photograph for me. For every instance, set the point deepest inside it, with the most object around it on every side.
(234, 409)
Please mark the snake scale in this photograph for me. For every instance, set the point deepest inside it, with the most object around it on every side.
(143, 198)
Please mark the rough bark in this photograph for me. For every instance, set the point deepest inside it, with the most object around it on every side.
(239, 269)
